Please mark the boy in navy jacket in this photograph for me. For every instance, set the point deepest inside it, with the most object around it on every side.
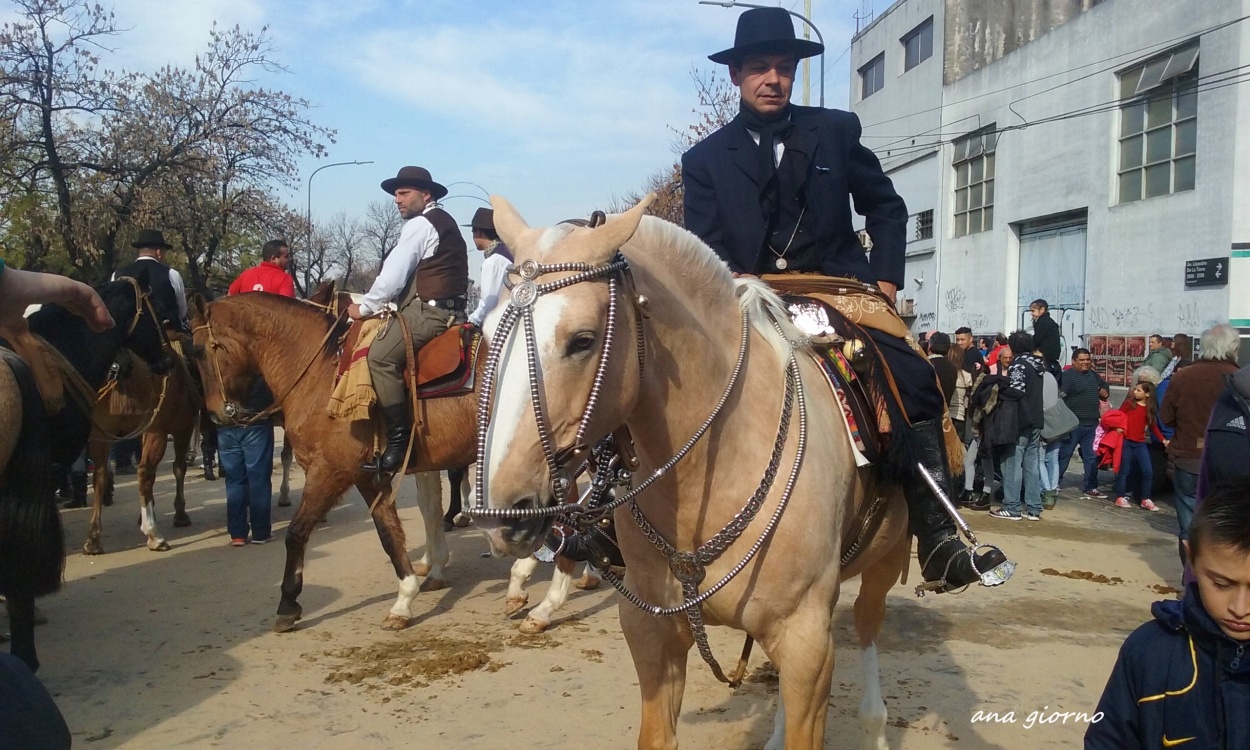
(1183, 680)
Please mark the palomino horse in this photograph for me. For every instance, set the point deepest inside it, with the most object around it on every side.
(262, 334)
(32, 545)
(708, 377)
(155, 406)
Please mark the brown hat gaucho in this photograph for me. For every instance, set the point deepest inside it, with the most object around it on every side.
(414, 177)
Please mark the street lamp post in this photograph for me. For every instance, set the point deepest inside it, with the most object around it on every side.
(308, 216)
(804, 19)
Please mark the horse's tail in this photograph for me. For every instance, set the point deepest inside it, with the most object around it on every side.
(32, 543)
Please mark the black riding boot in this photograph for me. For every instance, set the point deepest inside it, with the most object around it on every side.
(943, 556)
(78, 483)
(398, 421)
(209, 462)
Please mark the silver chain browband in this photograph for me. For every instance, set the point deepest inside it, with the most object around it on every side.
(689, 568)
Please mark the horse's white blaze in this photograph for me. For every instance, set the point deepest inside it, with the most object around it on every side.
(778, 740)
(557, 595)
(512, 390)
(520, 574)
(872, 712)
(408, 588)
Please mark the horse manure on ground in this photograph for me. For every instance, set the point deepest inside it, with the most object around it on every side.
(1159, 588)
(414, 661)
(1083, 575)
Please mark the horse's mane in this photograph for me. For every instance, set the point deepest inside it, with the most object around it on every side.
(687, 256)
(281, 309)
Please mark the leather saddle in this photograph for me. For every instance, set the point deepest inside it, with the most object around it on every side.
(444, 367)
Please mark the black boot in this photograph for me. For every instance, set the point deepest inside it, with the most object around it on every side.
(209, 463)
(943, 556)
(398, 420)
(980, 501)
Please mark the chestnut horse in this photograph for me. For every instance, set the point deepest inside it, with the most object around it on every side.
(292, 346)
(708, 375)
(155, 407)
(264, 334)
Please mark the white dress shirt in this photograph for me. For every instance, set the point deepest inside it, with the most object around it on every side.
(494, 271)
(417, 241)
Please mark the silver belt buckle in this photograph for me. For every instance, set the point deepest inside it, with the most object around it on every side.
(433, 303)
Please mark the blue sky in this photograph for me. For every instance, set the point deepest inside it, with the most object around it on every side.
(559, 106)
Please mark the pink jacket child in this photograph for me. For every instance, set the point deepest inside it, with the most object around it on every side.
(1110, 442)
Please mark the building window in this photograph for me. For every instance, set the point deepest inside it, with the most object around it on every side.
(918, 45)
(873, 76)
(974, 181)
(924, 225)
(1159, 125)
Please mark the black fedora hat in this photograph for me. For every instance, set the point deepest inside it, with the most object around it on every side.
(766, 30)
(414, 177)
(483, 218)
(150, 238)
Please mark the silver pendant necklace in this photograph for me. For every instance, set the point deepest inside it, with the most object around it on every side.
(780, 262)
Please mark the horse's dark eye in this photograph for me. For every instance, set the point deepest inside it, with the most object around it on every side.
(197, 352)
(581, 342)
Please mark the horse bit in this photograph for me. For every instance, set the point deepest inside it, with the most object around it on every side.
(611, 459)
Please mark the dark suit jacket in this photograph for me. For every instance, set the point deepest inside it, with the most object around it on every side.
(722, 196)
(1046, 338)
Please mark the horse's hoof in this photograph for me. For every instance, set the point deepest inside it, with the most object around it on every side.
(421, 569)
(92, 547)
(182, 520)
(530, 626)
(161, 546)
(588, 583)
(433, 584)
(284, 623)
(394, 622)
(515, 604)
(284, 502)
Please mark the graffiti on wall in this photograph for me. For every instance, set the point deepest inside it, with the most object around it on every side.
(956, 298)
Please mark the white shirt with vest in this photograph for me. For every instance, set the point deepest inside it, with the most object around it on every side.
(418, 240)
(494, 271)
(175, 280)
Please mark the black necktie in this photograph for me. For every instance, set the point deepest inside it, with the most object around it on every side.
(772, 132)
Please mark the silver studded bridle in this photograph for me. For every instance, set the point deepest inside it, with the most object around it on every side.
(606, 459)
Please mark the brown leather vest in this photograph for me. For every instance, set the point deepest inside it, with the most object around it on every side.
(445, 274)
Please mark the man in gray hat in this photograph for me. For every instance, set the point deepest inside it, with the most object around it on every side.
(494, 268)
(425, 278)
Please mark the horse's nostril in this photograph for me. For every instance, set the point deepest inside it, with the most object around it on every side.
(525, 504)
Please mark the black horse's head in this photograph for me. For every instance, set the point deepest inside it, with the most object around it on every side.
(138, 322)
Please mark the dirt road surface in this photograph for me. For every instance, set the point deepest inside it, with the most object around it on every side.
(174, 649)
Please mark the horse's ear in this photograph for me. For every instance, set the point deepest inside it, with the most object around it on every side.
(325, 293)
(607, 239)
(512, 229)
(199, 309)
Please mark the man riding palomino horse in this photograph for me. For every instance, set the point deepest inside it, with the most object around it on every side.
(770, 192)
(425, 277)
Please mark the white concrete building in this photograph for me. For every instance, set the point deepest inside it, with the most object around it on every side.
(1080, 151)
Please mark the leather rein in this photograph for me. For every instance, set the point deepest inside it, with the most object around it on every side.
(238, 415)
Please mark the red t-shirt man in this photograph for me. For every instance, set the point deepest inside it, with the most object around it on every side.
(270, 276)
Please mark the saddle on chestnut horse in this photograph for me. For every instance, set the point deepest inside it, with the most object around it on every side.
(444, 367)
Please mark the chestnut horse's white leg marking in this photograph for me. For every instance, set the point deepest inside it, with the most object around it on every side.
(557, 595)
(147, 524)
(430, 501)
(778, 740)
(408, 588)
(872, 712)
